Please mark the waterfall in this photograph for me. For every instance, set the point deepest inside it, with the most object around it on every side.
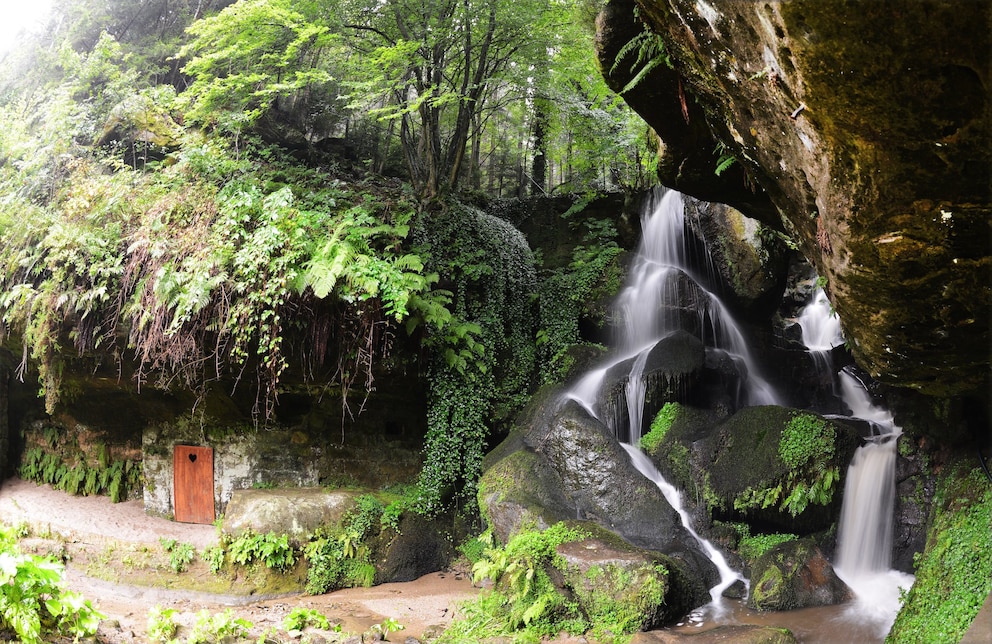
(864, 550)
(821, 333)
(664, 294)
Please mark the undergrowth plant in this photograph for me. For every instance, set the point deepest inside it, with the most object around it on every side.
(954, 572)
(524, 602)
(270, 549)
(35, 603)
(806, 447)
(115, 479)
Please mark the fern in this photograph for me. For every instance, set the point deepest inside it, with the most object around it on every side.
(651, 53)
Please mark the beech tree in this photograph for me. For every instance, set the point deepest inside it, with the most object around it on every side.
(433, 65)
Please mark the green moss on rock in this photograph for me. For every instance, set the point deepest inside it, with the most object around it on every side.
(954, 573)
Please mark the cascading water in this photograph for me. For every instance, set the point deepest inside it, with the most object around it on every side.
(663, 295)
(864, 549)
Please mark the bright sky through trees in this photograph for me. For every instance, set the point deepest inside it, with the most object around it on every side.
(20, 15)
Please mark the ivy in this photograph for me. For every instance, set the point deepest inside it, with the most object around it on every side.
(483, 362)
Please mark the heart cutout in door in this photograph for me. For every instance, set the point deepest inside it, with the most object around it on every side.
(192, 458)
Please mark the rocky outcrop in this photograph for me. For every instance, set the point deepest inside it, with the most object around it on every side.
(297, 512)
(750, 465)
(561, 464)
(863, 128)
(635, 588)
(795, 575)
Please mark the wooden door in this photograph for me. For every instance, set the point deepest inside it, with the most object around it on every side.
(193, 484)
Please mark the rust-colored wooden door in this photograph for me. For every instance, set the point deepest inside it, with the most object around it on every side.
(193, 484)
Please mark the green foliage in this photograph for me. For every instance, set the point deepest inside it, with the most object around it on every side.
(115, 480)
(474, 549)
(750, 547)
(180, 554)
(251, 55)
(337, 560)
(299, 618)
(650, 53)
(806, 447)
(271, 549)
(659, 427)
(492, 272)
(565, 294)
(385, 627)
(210, 628)
(954, 573)
(161, 625)
(34, 601)
(214, 557)
(341, 557)
(724, 159)
(524, 602)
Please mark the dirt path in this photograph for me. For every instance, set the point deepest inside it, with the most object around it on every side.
(422, 606)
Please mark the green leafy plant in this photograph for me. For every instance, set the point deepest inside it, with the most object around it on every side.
(524, 598)
(214, 557)
(385, 627)
(659, 427)
(34, 601)
(210, 628)
(299, 618)
(180, 554)
(806, 447)
(273, 550)
(161, 626)
(954, 572)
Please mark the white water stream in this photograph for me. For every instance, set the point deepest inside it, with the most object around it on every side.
(661, 294)
(864, 541)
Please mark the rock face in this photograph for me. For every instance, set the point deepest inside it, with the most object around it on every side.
(561, 464)
(795, 575)
(863, 128)
(293, 511)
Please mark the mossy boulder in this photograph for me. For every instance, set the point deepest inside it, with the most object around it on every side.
(771, 465)
(792, 575)
(673, 368)
(750, 260)
(630, 588)
(866, 126)
(293, 511)
(142, 129)
(562, 464)
(419, 546)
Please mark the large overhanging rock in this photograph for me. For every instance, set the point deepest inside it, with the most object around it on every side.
(866, 125)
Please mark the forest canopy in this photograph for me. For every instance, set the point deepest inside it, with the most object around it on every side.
(204, 192)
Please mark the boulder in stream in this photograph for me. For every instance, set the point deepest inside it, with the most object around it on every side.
(792, 575)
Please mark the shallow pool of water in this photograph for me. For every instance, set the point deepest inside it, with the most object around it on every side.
(846, 622)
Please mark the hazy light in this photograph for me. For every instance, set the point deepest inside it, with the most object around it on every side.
(19, 16)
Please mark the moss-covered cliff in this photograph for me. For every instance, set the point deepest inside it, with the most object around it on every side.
(863, 129)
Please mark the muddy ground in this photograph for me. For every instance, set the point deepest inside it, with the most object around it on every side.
(107, 547)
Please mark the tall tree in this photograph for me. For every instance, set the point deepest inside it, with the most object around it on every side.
(438, 61)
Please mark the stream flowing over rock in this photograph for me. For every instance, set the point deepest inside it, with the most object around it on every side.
(861, 129)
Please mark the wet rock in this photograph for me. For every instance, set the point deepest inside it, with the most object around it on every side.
(637, 588)
(751, 261)
(566, 465)
(877, 166)
(795, 575)
(293, 511)
(738, 634)
(418, 548)
(735, 465)
(671, 371)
